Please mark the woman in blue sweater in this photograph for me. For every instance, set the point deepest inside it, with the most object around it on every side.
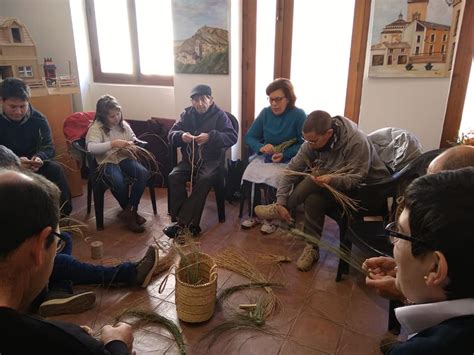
(275, 136)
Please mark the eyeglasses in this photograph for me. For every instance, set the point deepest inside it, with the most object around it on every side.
(61, 242)
(392, 232)
(276, 99)
(310, 142)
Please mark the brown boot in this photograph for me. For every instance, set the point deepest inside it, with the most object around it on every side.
(129, 217)
(140, 220)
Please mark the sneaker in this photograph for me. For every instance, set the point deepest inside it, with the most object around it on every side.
(146, 267)
(58, 303)
(267, 211)
(308, 258)
(268, 227)
(249, 223)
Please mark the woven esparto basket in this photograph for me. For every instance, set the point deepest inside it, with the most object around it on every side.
(195, 303)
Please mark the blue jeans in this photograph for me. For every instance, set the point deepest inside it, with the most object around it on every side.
(67, 270)
(116, 175)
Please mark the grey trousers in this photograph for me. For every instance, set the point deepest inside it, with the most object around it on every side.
(317, 201)
(188, 210)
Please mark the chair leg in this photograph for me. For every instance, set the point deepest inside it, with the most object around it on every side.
(345, 245)
(393, 323)
(244, 190)
(153, 199)
(89, 196)
(220, 200)
(98, 194)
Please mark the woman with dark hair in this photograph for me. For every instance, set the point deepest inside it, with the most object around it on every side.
(107, 135)
(433, 243)
(275, 136)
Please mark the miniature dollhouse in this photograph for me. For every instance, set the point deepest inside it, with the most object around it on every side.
(18, 58)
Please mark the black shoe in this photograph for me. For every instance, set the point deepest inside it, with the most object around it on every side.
(195, 230)
(173, 230)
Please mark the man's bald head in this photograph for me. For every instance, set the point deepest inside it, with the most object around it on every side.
(29, 203)
(460, 156)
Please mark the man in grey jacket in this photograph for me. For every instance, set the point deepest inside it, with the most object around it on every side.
(330, 144)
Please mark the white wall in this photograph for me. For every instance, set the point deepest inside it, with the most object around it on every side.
(417, 105)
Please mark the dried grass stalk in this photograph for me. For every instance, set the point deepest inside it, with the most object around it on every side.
(73, 226)
(263, 258)
(189, 254)
(347, 203)
(281, 147)
(166, 263)
(232, 260)
(132, 151)
(152, 317)
(227, 292)
(342, 252)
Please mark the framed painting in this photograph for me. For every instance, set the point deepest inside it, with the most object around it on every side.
(414, 38)
(201, 35)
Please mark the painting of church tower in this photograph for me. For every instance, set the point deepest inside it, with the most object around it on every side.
(414, 44)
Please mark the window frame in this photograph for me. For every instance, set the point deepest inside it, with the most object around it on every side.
(136, 78)
(26, 69)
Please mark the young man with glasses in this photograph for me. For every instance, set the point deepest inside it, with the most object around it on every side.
(59, 297)
(383, 270)
(29, 216)
(203, 132)
(433, 241)
(331, 144)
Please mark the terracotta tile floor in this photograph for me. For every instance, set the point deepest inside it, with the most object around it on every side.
(318, 315)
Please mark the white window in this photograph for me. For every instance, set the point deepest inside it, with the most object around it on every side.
(25, 71)
(131, 41)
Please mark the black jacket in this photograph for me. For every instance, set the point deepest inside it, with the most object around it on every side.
(215, 122)
(23, 334)
(29, 137)
(454, 336)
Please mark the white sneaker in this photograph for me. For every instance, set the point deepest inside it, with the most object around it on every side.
(268, 227)
(249, 223)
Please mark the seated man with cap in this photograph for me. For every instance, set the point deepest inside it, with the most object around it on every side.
(203, 132)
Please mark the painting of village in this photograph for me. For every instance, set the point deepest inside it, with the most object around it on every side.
(414, 38)
(201, 35)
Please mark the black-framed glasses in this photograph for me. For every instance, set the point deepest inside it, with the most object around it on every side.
(61, 242)
(276, 99)
(392, 232)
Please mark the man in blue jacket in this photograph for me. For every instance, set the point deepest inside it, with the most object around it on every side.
(204, 132)
(26, 132)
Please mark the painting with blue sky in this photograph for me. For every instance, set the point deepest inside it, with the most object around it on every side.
(412, 38)
(201, 36)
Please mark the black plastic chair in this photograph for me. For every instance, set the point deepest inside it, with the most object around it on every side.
(366, 228)
(96, 187)
(219, 182)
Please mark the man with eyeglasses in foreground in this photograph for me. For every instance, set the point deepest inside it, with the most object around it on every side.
(29, 216)
(330, 144)
(382, 270)
(203, 132)
(433, 241)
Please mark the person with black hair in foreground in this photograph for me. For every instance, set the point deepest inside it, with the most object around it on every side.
(433, 242)
(29, 216)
